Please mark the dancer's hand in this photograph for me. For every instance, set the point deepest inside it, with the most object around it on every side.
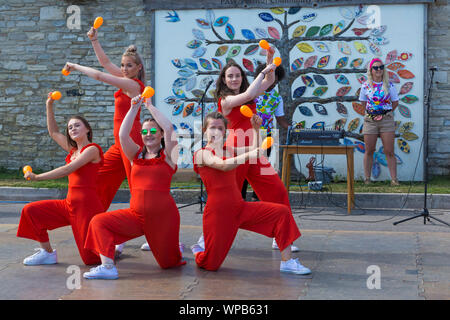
(70, 66)
(30, 176)
(49, 99)
(136, 102)
(255, 153)
(269, 68)
(256, 121)
(92, 34)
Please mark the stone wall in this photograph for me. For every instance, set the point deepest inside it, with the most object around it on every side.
(36, 43)
(439, 55)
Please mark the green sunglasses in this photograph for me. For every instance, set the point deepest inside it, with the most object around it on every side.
(145, 131)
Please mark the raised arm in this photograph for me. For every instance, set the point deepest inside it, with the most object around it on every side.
(52, 126)
(90, 154)
(129, 147)
(101, 56)
(170, 138)
(130, 86)
(256, 87)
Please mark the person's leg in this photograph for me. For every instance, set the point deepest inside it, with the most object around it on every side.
(35, 221)
(370, 141)
(388, 139)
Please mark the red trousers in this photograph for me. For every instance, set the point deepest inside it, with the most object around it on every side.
(153, 214)
(115, 169)
(222, 219)
(264, 180)
(40, 216)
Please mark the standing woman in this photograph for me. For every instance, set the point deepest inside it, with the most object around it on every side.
(380, 99)
(152, 211)
(232, 91)
(129, 78)
(81, 204)
(226, 211)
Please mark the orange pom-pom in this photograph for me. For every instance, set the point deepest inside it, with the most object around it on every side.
(267, 143)
(98, 22)
(65, 72)
(246, 111)
(56, 95)
(264, 44)
(148, 92)
(27, 169)
(277, 61)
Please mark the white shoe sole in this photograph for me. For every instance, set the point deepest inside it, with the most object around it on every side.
(101, 277)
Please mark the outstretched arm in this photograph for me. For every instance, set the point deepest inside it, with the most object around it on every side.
(130, 86)
(206, 158)
(52, 126)
(170, 138)
(101, 56)
(90, 154)
(129, 147)
(256, 87)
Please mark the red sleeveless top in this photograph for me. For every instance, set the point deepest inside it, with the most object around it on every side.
(152, 174)
(240, 128)
(86, 176)
(122, 105)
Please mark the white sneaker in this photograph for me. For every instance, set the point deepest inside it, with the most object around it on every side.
(41, 257)
(201, 241)
(196, 248)
(275, 247)
(119, 249)
(146, 247)
(102, 272)
(293, 266)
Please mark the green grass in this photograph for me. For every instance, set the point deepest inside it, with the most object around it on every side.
(436, 185)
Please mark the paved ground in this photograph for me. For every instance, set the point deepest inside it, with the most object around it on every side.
(346, 253)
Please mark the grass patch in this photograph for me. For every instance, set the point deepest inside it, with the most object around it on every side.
(436, 185)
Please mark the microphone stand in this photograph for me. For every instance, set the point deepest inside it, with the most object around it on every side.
(201, 199)
(425, 214)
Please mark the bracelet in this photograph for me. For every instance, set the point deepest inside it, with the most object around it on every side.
(94, 40)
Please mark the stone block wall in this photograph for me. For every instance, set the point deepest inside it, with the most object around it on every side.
(35, 43)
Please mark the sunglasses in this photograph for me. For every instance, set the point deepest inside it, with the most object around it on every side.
(376, 68)
(145, 131)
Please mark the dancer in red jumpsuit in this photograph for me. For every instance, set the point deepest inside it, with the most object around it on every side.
(82, 202)
(152, 211)
(226, 211)
(129, 78)
(232, 91)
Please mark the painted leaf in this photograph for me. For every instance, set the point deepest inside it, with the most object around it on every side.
(321, 81)
(234, 51)
(299, 91)
(405, 74)
(307, 80)
(205, 64)
(273, 32)
(403, 145)
(320, 109)
(221, 50)
(202, 23)
(391, 57)
(298, 32)
(323, 62)
(395, 66)
(406, 87)
(343, 91)
(229, 31)
(359, 108)
(265, 16)
(248, 34)
(221, 21)
(410, 136)
(297, 64)
(320, 91)
(404, 111)
(341, 63)
(251, 49)
(311, 61)
(248, 65)
(277, 10)
(312, 31)
(326, 29)
(305, 111)
(409, 99)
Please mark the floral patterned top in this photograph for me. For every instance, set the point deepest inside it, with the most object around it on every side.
(268, 105)
(378, 101)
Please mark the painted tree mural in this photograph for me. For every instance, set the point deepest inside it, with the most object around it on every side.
(311, 67)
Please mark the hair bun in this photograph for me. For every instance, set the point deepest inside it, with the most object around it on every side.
(131, 48)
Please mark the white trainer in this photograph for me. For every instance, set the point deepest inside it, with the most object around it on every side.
(293, 266)
(119, 249)
(201, 241)
(275, 246)
(41, 257)
(102, 272)
(196, 248)
(146, 247)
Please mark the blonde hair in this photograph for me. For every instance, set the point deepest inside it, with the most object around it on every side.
(386, 84)
(132, 52)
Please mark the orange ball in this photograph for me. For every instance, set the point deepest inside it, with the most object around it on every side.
(246, 111)
(65, 72)
(56, 95)
(98, 22)
(264, 44)
(148, 92)
(277, 61)
(27, 169)
(267, 143)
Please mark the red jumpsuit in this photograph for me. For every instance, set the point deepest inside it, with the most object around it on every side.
(77, 210)
(225, 212)
(116, 166)
(261, 175)
(152, 213)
